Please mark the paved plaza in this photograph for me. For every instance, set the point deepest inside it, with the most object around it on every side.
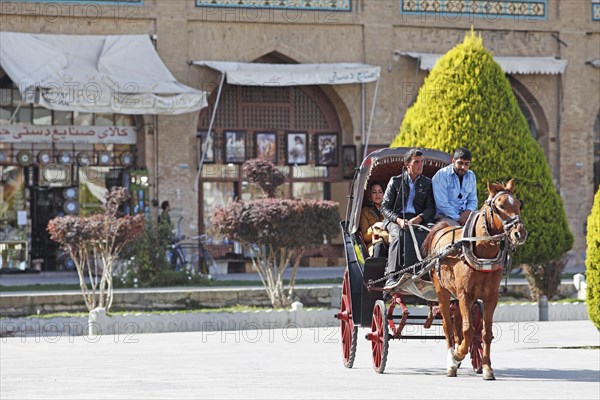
(533, 360)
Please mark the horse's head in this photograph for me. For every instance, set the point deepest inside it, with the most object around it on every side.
(505, 212)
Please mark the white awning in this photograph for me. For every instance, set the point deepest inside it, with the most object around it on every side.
(510, 65)
(102, 74)
(256, 74)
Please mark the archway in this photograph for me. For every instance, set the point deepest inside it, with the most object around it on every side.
(247, 116)
(533, 112)
(597, 152)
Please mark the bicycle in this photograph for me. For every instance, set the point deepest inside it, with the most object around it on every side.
(192, 255)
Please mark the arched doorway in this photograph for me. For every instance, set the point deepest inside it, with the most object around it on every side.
(597, 152)
(536, 120)
(533, 112)
(247, 117)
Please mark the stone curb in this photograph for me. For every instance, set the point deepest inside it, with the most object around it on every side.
(321, 296)
(297, 317)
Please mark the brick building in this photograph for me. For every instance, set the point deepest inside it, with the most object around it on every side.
(550, 50)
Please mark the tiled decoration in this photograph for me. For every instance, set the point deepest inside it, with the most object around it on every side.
(536, 9)
(317, 5)
(84, 2)
(595, 10)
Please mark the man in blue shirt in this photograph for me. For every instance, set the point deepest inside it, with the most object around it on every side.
(455, 189)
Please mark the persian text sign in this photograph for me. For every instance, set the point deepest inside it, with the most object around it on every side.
(67, 134)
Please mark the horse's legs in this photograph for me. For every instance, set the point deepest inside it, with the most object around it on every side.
(457, 325)
(444, 303)
(464, 305)
(488, 314)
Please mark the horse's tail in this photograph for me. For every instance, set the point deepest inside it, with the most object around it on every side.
(427, 245)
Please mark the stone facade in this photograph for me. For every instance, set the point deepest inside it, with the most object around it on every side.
(566, 106)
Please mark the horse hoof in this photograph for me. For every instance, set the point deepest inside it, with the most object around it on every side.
(451, 362)
(451, 372)
(478, 371)
(488, 375)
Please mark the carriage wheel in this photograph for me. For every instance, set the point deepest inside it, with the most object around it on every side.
(347, 328)
(476, 346)
(379, 337)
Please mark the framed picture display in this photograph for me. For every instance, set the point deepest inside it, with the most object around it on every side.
(235, 147)
(296, 148)
(265, 146)
(206, 144)
(327, 149)
(348, 160)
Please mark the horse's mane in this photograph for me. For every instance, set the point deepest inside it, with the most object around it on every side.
(426, 246)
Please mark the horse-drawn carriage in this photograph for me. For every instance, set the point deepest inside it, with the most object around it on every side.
(362, 302)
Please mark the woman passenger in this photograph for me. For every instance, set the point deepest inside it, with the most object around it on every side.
(371, 215)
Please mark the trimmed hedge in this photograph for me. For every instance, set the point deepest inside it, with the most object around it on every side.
(280, 223)
(467, 101)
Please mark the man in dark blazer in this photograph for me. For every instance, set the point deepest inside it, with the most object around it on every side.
(408, 200)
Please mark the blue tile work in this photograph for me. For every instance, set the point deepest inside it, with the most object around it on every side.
(536, 9)
(83, 2)
(317, 5)
(596, 12)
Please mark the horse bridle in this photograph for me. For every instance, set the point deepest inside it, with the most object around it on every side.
(509, 223)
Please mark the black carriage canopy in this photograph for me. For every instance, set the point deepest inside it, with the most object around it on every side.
(380, 166)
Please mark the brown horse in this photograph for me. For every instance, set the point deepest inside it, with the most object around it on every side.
(474, 270)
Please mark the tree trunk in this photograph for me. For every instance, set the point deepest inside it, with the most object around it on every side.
(544, 279)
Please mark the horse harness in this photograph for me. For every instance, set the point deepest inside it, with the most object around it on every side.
(466, 242)
(506, 246)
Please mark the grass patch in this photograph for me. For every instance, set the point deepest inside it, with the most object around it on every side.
(230, 309)
(38, 287)
(212, 283)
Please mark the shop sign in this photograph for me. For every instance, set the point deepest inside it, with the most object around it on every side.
(67, 134)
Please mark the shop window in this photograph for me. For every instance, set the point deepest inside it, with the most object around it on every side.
(92, 189)
(5, 96)
(5, 106)
(124, 120)
(309, 172)
(24, 115)
(216, 194)
(103, 120)
(82, 119)
(5, 114)
(251, 191)
(42, 116)
(12, 193)
(62, 118)
(308, 190)
(220, 171)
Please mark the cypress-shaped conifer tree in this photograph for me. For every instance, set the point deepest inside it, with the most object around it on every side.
(467, 101)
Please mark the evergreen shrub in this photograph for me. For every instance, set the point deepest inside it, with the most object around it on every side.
(592, 262)
(467, 101)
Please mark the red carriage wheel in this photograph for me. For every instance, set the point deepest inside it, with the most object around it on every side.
(476, 346)
(379, 337)
(347, 328)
